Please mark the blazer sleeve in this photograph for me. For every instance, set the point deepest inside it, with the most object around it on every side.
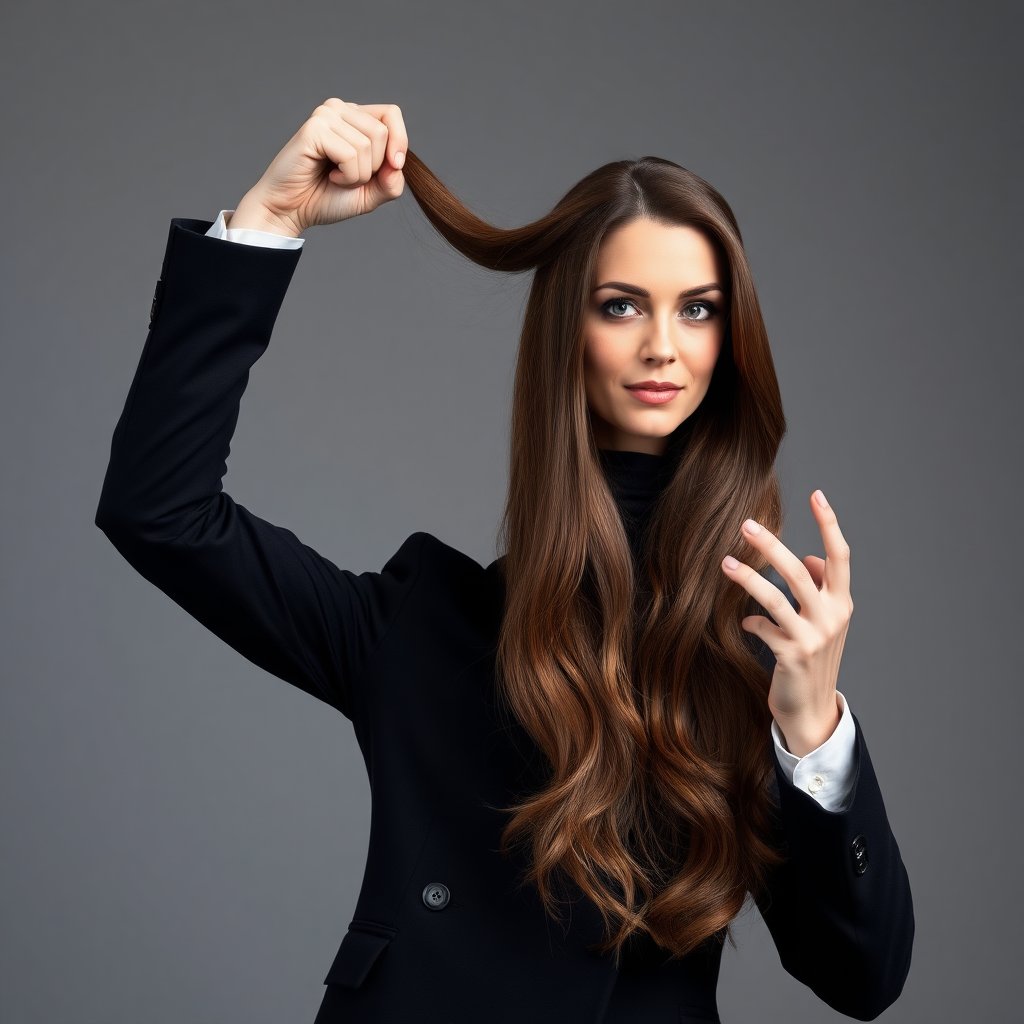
(839, 907)
(274, 599)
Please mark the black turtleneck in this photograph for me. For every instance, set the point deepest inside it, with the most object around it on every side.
(636, 480)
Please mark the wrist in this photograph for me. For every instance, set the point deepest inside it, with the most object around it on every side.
(252, 214)
(808, 731)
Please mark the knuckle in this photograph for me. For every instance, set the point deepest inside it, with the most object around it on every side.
(313, 134)
(803, 575)
(347, 152)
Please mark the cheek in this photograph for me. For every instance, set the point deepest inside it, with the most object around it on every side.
(708, 359)
(600, 364)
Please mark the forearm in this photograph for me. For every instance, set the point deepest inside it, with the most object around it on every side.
(170, 444)
(808, 731)
(840, 908)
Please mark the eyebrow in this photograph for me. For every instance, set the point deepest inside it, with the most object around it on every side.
(634, 289)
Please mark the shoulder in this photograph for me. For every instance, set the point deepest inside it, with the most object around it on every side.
(443, 578)
(423, 551)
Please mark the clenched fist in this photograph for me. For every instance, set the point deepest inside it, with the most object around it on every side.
(345, 160)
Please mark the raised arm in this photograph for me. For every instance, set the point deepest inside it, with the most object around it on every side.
(272, 598)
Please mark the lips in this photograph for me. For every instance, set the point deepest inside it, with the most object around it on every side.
(654, 392)
(654, 385)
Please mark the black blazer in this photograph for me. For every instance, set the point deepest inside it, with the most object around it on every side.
(440, 931)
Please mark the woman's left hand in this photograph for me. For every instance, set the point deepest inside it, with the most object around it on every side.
(807, 644)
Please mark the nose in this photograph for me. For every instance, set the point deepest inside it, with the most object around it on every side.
(658, 346)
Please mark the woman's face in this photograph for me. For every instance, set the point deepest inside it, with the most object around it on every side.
(656, 316)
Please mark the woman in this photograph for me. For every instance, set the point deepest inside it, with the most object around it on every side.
(584, 756)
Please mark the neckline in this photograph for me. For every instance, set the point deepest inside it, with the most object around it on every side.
(635, 474)
(621, 457)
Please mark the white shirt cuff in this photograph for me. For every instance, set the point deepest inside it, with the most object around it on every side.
(827, 773)
(250, 236)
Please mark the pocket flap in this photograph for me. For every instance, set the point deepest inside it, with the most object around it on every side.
(358, 951)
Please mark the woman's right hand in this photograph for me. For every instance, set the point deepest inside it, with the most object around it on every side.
(345, 160)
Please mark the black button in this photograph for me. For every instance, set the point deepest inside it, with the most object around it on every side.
(859, 848)
(436, 896)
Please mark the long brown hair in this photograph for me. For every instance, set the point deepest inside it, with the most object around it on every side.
(637, 683)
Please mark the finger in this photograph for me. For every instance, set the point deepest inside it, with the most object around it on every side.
(837, 551)
(388, 183)
(773, 637)
(337, 151)
(338, 148)
(372, 128)
(362, 145)
(390, 115)
(816, 567)
(773, 600)
(792, 570)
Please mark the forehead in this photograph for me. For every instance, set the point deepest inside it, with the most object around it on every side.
(673, 254)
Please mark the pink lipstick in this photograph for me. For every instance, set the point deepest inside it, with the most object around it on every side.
(654, 392)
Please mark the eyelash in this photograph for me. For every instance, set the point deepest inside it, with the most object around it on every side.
(708, 305)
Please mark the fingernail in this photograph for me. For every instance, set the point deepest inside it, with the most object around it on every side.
(730, 563)
(820, 499)
(751, 527)
(399, 159)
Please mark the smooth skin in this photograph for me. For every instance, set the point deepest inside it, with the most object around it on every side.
(346, 160)
(672, 334)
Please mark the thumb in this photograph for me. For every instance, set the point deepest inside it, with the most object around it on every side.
(388, 183)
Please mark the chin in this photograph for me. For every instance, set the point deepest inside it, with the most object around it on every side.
(645, 428)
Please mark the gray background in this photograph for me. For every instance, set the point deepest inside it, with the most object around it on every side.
(183, 834)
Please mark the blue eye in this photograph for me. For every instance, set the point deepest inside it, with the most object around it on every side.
(612, 303)
(695, 312)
